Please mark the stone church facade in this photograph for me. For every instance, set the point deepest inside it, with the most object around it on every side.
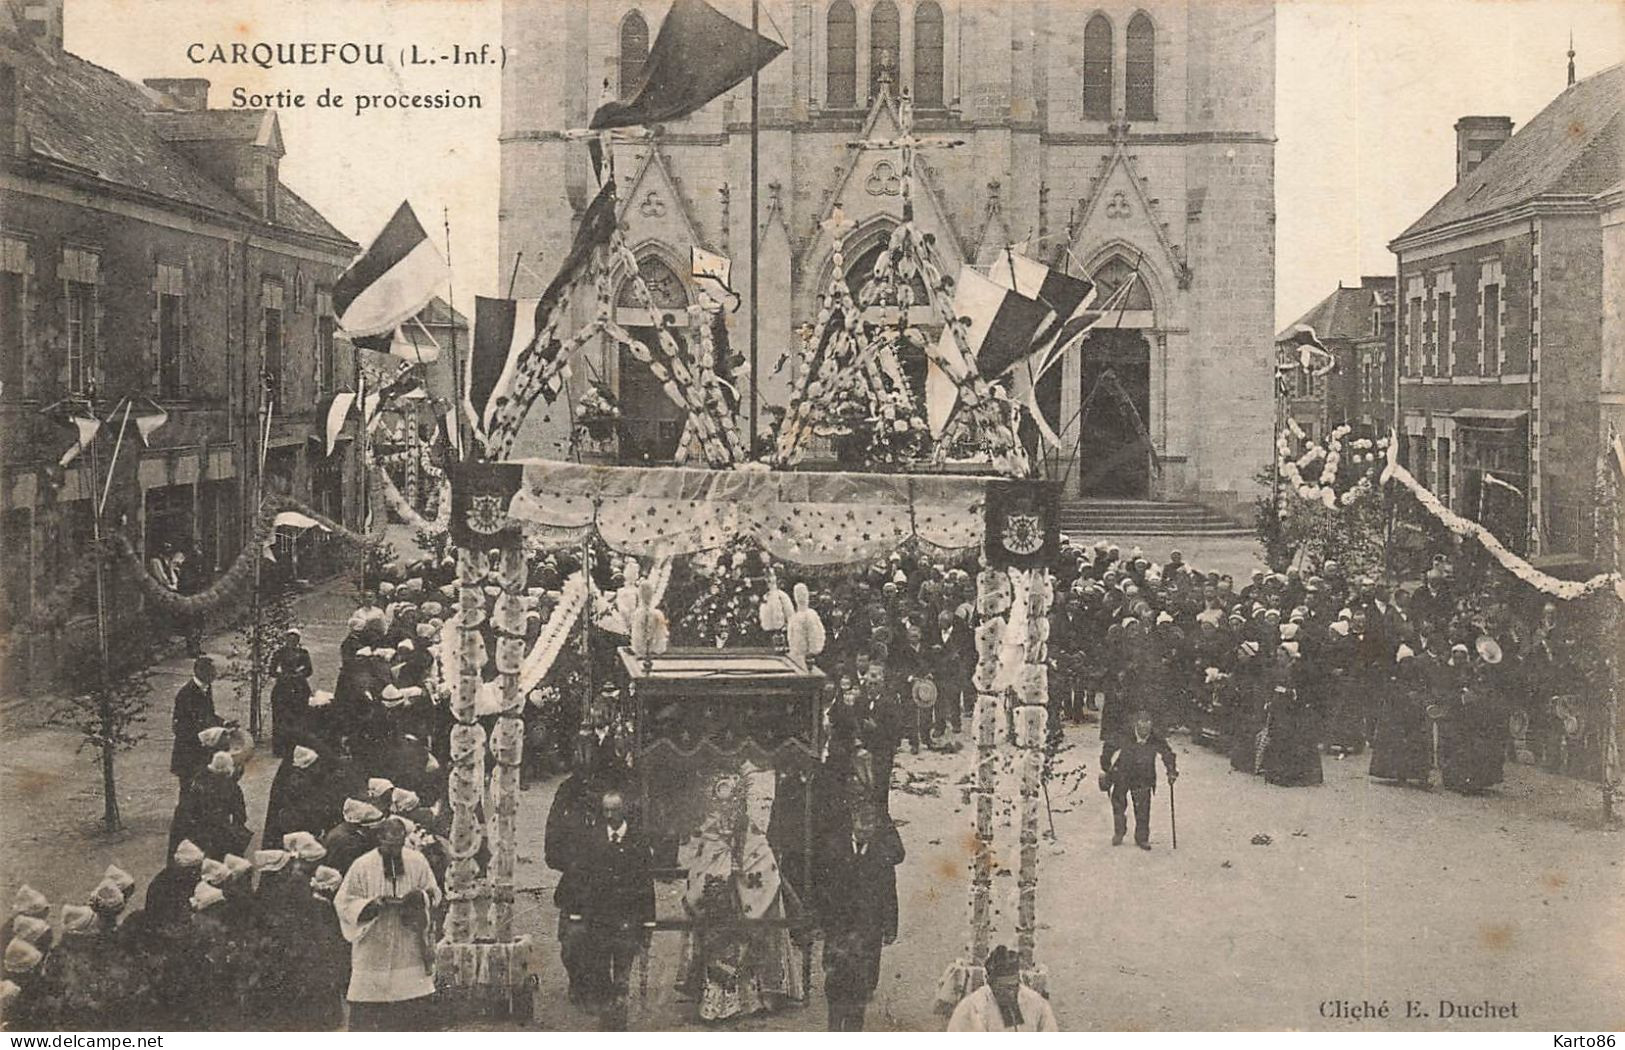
(1112, 140)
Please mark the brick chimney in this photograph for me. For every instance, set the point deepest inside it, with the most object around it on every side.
(1476, 139)
(41, 21)
(183, 93)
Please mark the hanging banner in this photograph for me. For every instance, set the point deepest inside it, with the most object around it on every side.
(480, 494)
(1023, 526)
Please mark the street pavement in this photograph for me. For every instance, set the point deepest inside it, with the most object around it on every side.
(1365, 892)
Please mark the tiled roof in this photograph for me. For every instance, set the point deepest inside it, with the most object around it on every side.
(439, 312)
(81, 118)
(1571, 146)
(1345, 314)
(209, 125)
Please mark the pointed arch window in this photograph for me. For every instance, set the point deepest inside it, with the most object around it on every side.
(885, 35)
(928, 39)
(841, 79)
(1097, 68)
(1140, 69)
(1112, 275)
(634, 53)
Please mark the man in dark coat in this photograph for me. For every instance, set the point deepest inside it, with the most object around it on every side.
(857, 906)
(194, 712)
(613, 899)
(1129, 771)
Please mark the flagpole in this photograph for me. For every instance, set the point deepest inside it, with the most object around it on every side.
(110, 813)
(514, 276)
(456, 366)
(755, 179)
(107, 485)
(254, 671)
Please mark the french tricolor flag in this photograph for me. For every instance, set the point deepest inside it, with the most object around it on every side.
(392, 280)
(1071, 298)
(503, 330)
(1000, 326)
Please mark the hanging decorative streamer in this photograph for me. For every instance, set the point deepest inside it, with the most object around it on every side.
(550, 643)
(238, 579)
(1547, 584)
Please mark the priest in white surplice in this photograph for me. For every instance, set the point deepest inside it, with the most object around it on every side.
(383, 909)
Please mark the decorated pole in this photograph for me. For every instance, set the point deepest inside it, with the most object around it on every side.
(1032, 727)
(479, 953)
(968, 973)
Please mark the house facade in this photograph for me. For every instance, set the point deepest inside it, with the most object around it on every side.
(1500, 333)
(149, 255)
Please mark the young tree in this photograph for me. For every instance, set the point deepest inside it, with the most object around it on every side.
(107, 706)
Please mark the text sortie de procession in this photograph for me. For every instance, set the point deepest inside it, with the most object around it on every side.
(407, 58)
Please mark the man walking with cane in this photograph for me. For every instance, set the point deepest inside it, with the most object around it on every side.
(1129, 772)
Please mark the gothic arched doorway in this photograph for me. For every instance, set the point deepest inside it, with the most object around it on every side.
(650, 425)
(1114, 394)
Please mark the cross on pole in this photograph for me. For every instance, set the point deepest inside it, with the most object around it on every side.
(906, 143)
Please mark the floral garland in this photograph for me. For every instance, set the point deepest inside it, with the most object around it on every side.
(1364, 453)
(534, 371)
(274, 504)
(403, 509)
(233, 584)
(505, 428)
(238, 578)
(694, 386)
(572, 600)
(1547, 584)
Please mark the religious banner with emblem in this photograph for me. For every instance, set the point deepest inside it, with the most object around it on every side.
(480, 494)
(1023, 528)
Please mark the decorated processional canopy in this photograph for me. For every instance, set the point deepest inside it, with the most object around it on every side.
(802, 517)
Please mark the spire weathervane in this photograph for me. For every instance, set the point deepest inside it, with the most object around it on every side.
(1571, 58)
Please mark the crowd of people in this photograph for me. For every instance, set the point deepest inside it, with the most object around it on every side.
(341, 903)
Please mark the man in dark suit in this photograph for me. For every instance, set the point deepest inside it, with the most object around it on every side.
(194, 712)
(1129, 771)
(612, 902)
(572, 821)
(950, 669)
(857, 906)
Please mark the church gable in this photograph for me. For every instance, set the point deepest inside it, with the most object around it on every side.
(869, 190)
(654, 209)
(1121, 209)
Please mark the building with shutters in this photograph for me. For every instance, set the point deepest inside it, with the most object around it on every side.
(148, 250)
(1504, 371)
(1113, 139)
